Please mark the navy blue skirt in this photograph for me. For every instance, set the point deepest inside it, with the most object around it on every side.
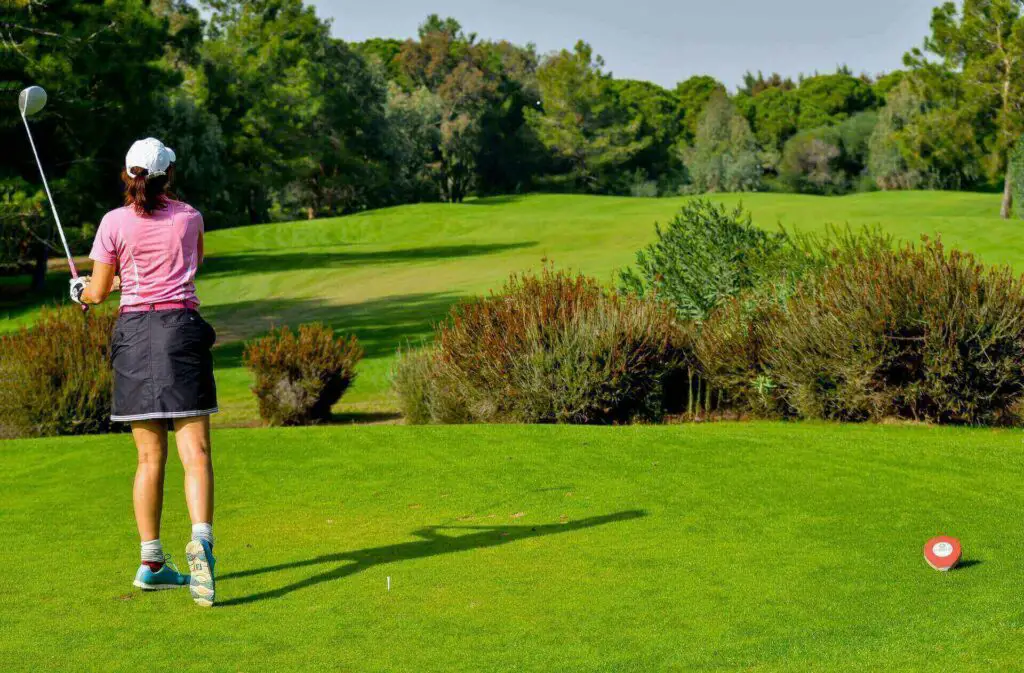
(163, 368)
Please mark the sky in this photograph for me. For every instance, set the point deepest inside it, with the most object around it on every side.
(667, 41)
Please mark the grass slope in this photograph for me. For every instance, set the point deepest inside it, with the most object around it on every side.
(733, 546)
(388, 275)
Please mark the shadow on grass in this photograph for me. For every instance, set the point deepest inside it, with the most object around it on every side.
(365, 417)
(494, 200)
(432, 543)
(17, 300)
(244, 263)
(382, 325)
(969, 563)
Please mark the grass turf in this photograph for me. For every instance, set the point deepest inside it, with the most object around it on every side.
(732, 546)
(388, 275)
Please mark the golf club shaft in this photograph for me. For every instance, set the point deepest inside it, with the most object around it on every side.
(49, 197)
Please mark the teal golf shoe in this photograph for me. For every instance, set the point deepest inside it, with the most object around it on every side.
(167, 577)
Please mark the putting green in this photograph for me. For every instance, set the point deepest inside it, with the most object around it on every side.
(765, 547)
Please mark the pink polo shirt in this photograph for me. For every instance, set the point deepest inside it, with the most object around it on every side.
(156, 255)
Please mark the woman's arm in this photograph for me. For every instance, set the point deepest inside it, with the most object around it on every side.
(101, 284)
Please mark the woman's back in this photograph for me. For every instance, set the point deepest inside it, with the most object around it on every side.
(157, 255)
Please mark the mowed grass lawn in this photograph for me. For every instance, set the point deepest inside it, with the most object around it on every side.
(388, 275)
(765, 547)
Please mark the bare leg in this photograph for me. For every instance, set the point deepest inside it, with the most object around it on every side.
(193, 438)
(148, 493)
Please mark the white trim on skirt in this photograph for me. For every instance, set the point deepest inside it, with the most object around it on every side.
(163, 415)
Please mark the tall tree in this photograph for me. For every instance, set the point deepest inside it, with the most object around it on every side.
(510, 154)
(412, 141)
(581, 122)
(260, 61)
(984, 40)
(891, 163)
(102, 64)
(385, 51)
(693, 96)
(752, 85)
(657, 110)
(724, 155)
(302, 114)
(451, 64)
(773, 114)
(827, 100)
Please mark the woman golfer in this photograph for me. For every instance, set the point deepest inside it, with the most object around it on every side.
(163, 371)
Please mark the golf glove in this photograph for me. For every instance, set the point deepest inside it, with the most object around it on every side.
(78, 286)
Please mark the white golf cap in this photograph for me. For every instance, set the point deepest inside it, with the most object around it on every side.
(150, 154)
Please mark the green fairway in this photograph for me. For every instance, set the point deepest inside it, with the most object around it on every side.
(388, 275)
(730, 546)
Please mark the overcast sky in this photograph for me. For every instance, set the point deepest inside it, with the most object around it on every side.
(666, 41)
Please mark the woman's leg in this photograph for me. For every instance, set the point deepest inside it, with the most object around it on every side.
(193, 438)
(148, 493)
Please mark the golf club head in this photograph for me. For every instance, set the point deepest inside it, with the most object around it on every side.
(31, 100)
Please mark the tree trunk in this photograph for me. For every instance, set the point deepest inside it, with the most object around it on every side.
(39, 270)
(1007, 208)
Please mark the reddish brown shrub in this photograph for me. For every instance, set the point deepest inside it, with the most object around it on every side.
(548, 348)
(55, 377)
(918, 332)
(299, 377)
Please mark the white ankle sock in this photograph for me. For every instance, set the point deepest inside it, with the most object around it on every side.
(153, 551)
(203, 531)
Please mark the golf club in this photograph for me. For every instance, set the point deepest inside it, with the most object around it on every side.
(30, 102)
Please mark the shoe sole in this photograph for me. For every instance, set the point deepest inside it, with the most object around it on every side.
(157, 587)
(200, 578)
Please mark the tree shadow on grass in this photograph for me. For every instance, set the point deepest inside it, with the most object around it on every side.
(16, 298)
(432, 543)
(494, 200)
(219, 266)
(381, 325)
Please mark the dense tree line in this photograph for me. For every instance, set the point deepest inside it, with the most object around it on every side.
(274, 119)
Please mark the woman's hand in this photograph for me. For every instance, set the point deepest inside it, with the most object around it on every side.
(77, 287)
(116, 287)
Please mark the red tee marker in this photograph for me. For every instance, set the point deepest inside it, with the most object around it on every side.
(942, 553)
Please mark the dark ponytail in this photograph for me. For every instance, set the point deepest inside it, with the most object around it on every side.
(146, 195)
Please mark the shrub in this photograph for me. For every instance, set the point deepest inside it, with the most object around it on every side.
(705, 255)
(55, 378)
(299, 376)
(916, 332)
(730, 349)
(549, 348)
(812, 162)
(641, 187)
(731, 346)
(427, 392)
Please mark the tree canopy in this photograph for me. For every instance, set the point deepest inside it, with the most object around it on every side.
(275, 119)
